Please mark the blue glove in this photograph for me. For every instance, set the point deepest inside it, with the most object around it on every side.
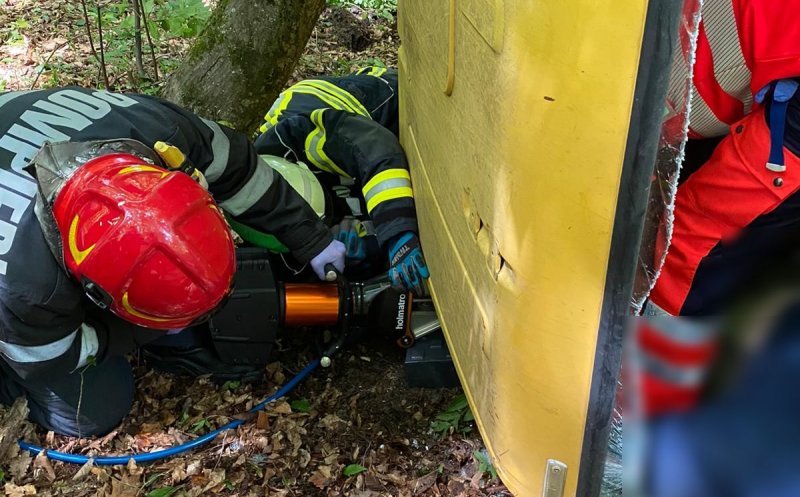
(348, 231)
(332, 254)
(407, 267)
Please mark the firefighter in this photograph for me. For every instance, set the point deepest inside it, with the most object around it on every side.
(346, 129)
(103, 246)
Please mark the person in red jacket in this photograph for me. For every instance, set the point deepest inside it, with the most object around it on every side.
(737, 210)
(737, 202)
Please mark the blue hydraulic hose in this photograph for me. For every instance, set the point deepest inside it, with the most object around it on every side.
(177, 449)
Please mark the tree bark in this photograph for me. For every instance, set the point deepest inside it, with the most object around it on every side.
(242, 59)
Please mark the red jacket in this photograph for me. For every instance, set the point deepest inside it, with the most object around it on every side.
(742, 46)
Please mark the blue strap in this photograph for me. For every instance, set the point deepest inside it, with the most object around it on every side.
(783, 91)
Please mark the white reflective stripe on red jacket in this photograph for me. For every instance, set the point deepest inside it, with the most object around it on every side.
(721, 92)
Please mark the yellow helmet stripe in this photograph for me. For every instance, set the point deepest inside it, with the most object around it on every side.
(142, 168)
(72, 240)
(133, 312)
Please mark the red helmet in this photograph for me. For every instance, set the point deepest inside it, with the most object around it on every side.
(149, 244)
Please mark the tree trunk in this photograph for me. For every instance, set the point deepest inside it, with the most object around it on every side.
(242, 59)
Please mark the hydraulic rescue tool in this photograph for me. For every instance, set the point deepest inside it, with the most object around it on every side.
(245, 329)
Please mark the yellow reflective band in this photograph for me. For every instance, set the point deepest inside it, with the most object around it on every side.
(331, 101)
(142, 168)
(283, 102)
(390, 194)
(342, 95)
(77, 254)
(363, 70)
(315, 146)
(263, 128)
(383, 176)
(377, 71)
(133, 312)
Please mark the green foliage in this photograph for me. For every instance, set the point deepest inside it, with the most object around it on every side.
(2, 475)
(301, 405)
(13, 35)
(166, 20)
(231, 385)
(353, 469)
(183, 18)
(456, 419)
(163, 492)
(199, 425)
(383, 8)
(484, 463)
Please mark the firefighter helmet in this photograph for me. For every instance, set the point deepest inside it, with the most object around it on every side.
(149, 244)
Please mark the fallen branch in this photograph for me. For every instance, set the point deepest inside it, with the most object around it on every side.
(44, 65)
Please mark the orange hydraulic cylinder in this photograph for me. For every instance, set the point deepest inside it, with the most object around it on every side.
(311, 304)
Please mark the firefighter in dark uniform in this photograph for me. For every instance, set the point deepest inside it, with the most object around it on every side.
(346, 128)
(148, 243)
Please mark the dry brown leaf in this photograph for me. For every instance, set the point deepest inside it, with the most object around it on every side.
(319, 480)
(133, 468)
(102, 441)
(43, 462)
(331, 422)
(150, 428)
(167, 418)
(178, 473)
(372, 483)
(262, 423)
(194, 467)
(20, 465)
(392, 478)
(127, 486)
(100, 473)
(475, 481)
(198, 481)
(305, 458)
(84, 471)
(365, 493)
(282, 407)
(215, 477)
(423, 484)
(12, 490)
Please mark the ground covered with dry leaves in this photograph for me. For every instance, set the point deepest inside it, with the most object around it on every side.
(355, 429)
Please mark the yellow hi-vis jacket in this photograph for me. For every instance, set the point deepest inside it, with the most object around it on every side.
(347, 126)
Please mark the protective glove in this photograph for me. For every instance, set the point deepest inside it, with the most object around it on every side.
(332, 254)
(350, 232)
(407, 267)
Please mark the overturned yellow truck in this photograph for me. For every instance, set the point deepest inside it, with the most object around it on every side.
(533, 129)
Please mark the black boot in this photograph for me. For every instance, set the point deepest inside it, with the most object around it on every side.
(191, 352)
(199, 361)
